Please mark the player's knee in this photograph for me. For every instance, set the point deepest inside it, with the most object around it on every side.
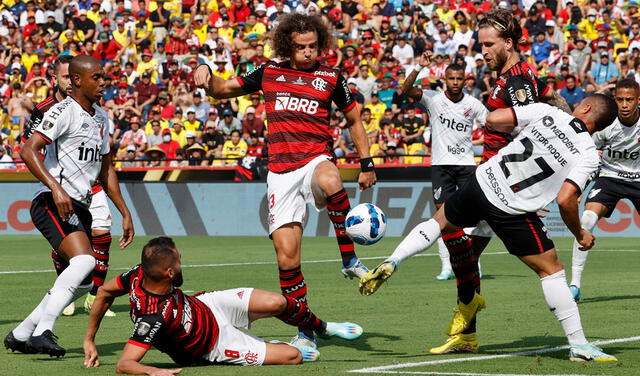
(276, 303)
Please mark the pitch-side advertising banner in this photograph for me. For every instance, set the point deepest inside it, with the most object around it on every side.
(240, 209)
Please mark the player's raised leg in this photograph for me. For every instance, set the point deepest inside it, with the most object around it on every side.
(329, 191)
(592, 213)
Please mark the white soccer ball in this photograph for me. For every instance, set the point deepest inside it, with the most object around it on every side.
(366, 224)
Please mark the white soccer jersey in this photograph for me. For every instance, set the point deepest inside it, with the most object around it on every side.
(451, 127)
(620, 147)
(527, 174)
(77, 142)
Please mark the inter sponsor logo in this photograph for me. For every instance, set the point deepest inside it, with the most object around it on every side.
(624, 154)
(453, 124)
(89, 153)
(296, 104)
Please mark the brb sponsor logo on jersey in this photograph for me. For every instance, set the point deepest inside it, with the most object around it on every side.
(287, 102)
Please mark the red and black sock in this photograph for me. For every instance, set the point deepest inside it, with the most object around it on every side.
(59, 263)
(338, 207)
(465, 266)
(101, 245)
(295, 289)
(298, 314)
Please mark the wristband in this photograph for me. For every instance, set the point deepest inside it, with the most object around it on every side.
(366, 164)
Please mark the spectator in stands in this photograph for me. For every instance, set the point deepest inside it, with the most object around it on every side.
(196, 155)
(179, 160)
(155, 137)
(213, 142)
(168, 145)
(572, 93)
(155, 157)
(412, 130)
(129, 157)
(178, 133)
(201, 107)
(191, 124)
(228, 123)
(365, 83)
(234, 149)
(603, 74)
(256, 146)
(145, 94)
(251, 123)
(156, 115)
(134, 137)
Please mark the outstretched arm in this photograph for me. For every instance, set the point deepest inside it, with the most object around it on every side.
(502, 120)
(407, 87)
(215, 86)
(106, 294)
(367, 177)
(568, 199)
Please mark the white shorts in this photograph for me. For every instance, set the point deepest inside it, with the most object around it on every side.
(289, 193)
(482, 229)
(100, 212)
(231, 310)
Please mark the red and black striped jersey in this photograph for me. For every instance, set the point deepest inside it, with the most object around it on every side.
(36, 117)
(298, 106)
(518, 86)
(179, 325)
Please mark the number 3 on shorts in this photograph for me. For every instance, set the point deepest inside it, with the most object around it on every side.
(272, 200)
(231, 354)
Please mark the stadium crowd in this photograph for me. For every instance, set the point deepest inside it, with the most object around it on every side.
(149, 50)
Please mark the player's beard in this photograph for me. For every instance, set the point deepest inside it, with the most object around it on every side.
(501, 60)
(62, 91)
(178, 280)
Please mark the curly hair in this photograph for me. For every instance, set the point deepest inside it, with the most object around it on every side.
(506, 24)
(282, 37)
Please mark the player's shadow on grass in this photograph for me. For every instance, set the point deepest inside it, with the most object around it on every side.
(120, 308)
(598, 299)
(5, 322)
(104, 349)
(525, 344)
(362, 343)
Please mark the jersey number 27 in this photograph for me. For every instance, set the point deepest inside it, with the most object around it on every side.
(524, 157)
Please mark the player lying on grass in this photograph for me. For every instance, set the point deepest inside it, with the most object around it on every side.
(553, 157)
(193, 330)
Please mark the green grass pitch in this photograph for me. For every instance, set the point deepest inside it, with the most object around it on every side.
(403, 319)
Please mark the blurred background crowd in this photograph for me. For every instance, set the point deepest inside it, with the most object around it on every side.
(150, 48)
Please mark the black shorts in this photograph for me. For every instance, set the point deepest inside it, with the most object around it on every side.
(447, 179)
(44, 215)
(608, 191)
(522, 234)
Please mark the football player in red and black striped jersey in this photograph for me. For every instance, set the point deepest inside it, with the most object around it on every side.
(299, 93)
(195, 329)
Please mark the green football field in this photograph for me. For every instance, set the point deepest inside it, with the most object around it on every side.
(403, 319)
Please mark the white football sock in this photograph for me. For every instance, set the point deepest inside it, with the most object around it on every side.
(444, 256)
(420, 238)
(23, 331)
(561, 303)
(64, 290)
(579, 259)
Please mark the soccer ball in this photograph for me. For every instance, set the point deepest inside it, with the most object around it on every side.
(365, 224)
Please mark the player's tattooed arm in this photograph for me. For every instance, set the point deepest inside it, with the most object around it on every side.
(407, 87)
(555, 99)
(104, 299)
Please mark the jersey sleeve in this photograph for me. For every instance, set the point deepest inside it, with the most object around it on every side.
(105, 148)
(543, 89)
(252, 80)
(55, 123)
(527, 114)
(32, 124)
(124, 279)
(600, 138)
(481, 113)
(341, 95)
(581, 175)
(146, 330)
(426, 96)
(519, 91)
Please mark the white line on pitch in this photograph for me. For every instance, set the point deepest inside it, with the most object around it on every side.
(484, 357)
(305, 261)
(469, 373)
(243, 263)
